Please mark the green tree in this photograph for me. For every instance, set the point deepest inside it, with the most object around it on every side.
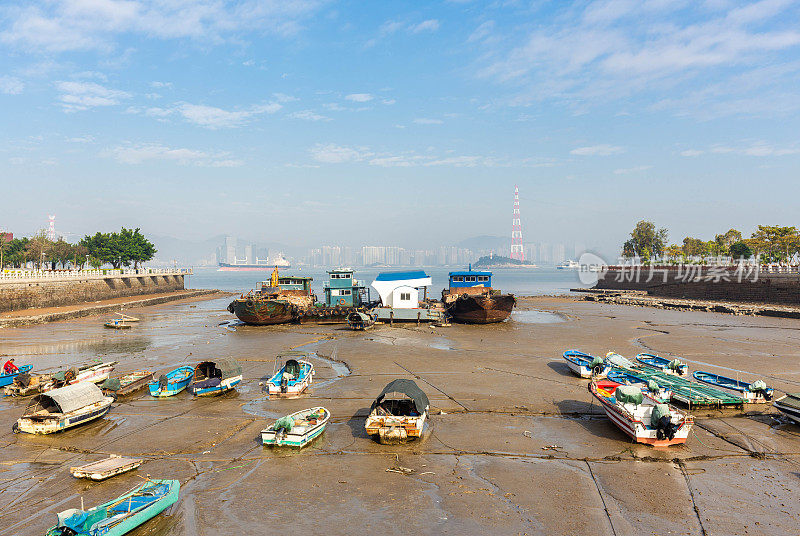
(775, 243)
(38, 249)
(694, 247)
(740, 250)
(645, 239)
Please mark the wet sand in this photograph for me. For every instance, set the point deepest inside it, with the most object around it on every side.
(500, 396)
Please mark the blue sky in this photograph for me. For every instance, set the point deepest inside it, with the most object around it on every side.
(311, 122)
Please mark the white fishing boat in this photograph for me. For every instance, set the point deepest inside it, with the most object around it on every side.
(395, 420)
(585, 365)
(90, 373)
(64, 408)
(297, 429)
(789, 405)
(292, 378)
(642, 417)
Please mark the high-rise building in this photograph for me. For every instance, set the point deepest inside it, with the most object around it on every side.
(517, 250)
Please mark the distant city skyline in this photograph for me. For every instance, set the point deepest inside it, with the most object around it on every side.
(311, 123)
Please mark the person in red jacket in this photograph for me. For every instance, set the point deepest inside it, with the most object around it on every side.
(10, 367)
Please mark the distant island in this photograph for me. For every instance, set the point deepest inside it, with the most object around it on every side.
(498, 261)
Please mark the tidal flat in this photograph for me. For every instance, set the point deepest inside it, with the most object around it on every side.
(514, 443)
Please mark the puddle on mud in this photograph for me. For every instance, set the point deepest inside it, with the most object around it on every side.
(536, 317)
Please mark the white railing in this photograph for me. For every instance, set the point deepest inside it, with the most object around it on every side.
(17, 275)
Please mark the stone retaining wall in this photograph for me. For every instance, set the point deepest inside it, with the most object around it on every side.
(16, 296)
(707, 283)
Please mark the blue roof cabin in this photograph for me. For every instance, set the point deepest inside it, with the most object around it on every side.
(401, 289)
(343, 289)
(470, 278)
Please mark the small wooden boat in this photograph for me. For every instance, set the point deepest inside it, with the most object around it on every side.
(100, 470)
(215, 377)
(8, 379)
(97, 373)
(172, 383)
(397, 420)
(585, 365)
(755, 392)
(127, 383)
(297, 429)
(359, 321)
(789, 405)
(670, 366)
(640, 416)
(117, 323)
(126, 318)
(292, 379)
(32, 384)
(121, 515)
(660, 393)
(64, 408)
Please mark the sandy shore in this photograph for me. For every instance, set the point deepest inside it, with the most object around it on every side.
(501, 396)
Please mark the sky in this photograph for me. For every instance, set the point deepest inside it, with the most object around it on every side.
(312, 122)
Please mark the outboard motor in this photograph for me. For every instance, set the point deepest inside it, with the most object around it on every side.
(163, 381)
(284, 384)
(665, 429)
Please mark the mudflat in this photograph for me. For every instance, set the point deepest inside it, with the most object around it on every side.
(514, 443)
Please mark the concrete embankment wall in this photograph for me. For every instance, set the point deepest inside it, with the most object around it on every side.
(15, 296)
(706, 283)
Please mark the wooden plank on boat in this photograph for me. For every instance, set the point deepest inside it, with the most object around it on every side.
(107, 468)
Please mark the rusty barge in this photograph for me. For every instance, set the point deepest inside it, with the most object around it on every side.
(470, 299)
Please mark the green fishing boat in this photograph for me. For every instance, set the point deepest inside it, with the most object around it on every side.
(120, 515)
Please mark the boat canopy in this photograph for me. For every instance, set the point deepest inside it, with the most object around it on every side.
(70, 397)
(408, 388)
(387, 282)
(227, 368)
(293, 367)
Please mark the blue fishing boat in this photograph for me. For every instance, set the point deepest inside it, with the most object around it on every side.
(755, 392)
(7, 379)
(670, 366)
(120, 515)
(585, 365)
(215, 377)
(293, 378)
(651, 387)
(172, 382)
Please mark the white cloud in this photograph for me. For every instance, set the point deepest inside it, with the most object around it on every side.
(388, 102)
(214, 118)
(308, 115)
(430, 25)
(85, 95)
(481, 32)
(691, 152)
(597, 150)
(627, 171)
(331, 153)
(145, 152)
(757, 148)
(156, 84)
(607, 50)
(359, 97)
(95, 24)
(81, 139)
(283, 97)
(11, 85)
(427, 121)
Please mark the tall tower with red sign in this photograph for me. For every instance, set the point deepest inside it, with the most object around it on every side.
(517, 251)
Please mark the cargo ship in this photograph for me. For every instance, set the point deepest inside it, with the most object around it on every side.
(470, 298)
(285, 299)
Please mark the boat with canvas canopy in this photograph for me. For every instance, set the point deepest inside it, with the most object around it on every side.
(297, 429)
(120, 515)
(215, 377)
(755, 392)
(670, 366)
(640, 416)
(64, 408)
(397, 419)
(789, 405)
(662, 394)
(585, 365)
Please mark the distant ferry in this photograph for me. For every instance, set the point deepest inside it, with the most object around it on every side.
(569, 265)
(269, 264)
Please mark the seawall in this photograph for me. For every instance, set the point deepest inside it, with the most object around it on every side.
(724, 283)
(38, 290)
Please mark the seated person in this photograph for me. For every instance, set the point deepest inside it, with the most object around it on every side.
(10, 367)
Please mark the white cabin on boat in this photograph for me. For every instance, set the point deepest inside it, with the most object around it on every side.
(400, 290)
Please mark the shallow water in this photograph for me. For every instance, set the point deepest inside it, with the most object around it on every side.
(536, 317)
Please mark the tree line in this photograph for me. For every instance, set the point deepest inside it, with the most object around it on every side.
(769, 243)
(129, 246)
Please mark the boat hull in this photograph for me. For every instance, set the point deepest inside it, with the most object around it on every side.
(392, 430)
(263, 312)
(8, 379)
(224, 386)
(481, 308)
(71, 420)
(789, 410)
(173, 386)
(293, 439)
